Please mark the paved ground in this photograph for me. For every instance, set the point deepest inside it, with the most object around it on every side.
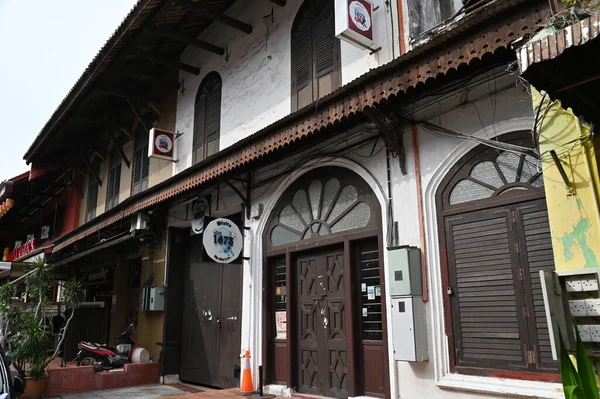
(143, 392)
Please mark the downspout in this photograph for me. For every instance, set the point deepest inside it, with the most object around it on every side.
(423, 242)
(391, 236)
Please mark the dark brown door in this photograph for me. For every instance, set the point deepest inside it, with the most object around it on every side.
(210, 327)
(494, 257)
(322, 345)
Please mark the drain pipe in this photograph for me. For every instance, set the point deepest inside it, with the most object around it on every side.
(415, 138)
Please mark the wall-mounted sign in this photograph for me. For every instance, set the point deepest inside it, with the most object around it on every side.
(223, 240)
(161, 144)
(102, 274)
(354, 22)
(281, 325)
(23, 250)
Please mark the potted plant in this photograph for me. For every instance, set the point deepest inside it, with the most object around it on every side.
(26, 334)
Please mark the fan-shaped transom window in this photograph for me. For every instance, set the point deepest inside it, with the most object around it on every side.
(504, 172)
(320, 205)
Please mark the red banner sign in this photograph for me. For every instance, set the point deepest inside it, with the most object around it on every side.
(22, 250)
(162, 144)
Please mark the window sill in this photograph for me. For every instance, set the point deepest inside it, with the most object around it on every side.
(501, 386)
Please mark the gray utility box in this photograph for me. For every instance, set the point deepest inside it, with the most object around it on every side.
(405, 271)
(409, 329)
(408, 319)
(153, 299)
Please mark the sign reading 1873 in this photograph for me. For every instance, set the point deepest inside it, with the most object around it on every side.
(223, 240)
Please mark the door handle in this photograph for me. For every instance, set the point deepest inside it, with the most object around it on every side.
(219, 320)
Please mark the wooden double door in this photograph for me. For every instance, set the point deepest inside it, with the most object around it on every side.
(211, 320)
(322, 345)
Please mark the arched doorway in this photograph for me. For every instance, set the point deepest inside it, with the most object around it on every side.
(323, 246)
(494, 239)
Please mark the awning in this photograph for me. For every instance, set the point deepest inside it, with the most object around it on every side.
(564, 64)
(95, 248)
(484, 32)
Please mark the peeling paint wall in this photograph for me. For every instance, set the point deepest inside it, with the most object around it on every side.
(574, 214)
(422, 15)
(257, 76)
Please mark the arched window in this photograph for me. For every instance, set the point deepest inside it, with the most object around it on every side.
(315, 53)
(495, 238)
(320, 204)
(207, 117)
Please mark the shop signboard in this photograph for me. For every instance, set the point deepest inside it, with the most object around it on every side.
(223, 240)
(161, 144)
(354, 22)
(23, 250)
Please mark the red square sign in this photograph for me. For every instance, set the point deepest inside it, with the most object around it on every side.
(360, 18)
(162, 144)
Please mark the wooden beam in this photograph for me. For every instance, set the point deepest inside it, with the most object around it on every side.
(221, 18)
(173, 65)
(119, 148)
(201, 44)
(280, 3)
(91, 170)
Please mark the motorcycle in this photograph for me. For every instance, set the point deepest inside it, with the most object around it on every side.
(106, 357)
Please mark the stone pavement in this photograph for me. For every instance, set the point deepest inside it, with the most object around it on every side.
(141, 392)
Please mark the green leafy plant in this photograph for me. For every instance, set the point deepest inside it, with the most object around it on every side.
(25, 333)
(578, 382)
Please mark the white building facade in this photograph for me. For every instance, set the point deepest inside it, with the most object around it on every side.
(409, 194)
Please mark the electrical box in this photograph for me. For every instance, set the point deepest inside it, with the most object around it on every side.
(409, 329)
(405, 271)
(153, 299)
(572, 295)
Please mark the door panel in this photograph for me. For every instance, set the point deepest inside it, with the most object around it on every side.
(485, 303)
(230, 332)
(322, 342)
(199, 328)
(536, 255)
(210, 326)
(494, 259)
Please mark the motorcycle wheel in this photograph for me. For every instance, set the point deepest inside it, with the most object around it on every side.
(87, 361)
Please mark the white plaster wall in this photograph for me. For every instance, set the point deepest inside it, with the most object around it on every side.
(512, 111)
(257, 76)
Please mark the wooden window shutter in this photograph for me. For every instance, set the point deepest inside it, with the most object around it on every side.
(302, 61)
(536, 254)
(141, 164)
(92, 199)
(114, 182)
(324, 57)
(315, 53)
(485, 300)
(207, 118)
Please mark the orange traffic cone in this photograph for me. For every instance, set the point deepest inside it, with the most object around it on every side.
(247, 385)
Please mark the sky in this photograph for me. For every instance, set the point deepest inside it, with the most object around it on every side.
(45, 45)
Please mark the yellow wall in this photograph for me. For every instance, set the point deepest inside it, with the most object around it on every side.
(150, 324)
(574, 213)
(118, 320)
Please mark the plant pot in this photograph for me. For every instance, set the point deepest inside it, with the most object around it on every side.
(35, 388)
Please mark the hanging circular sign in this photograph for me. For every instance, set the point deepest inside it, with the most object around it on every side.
(223, 240)
(359, 15)
(163, 143)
